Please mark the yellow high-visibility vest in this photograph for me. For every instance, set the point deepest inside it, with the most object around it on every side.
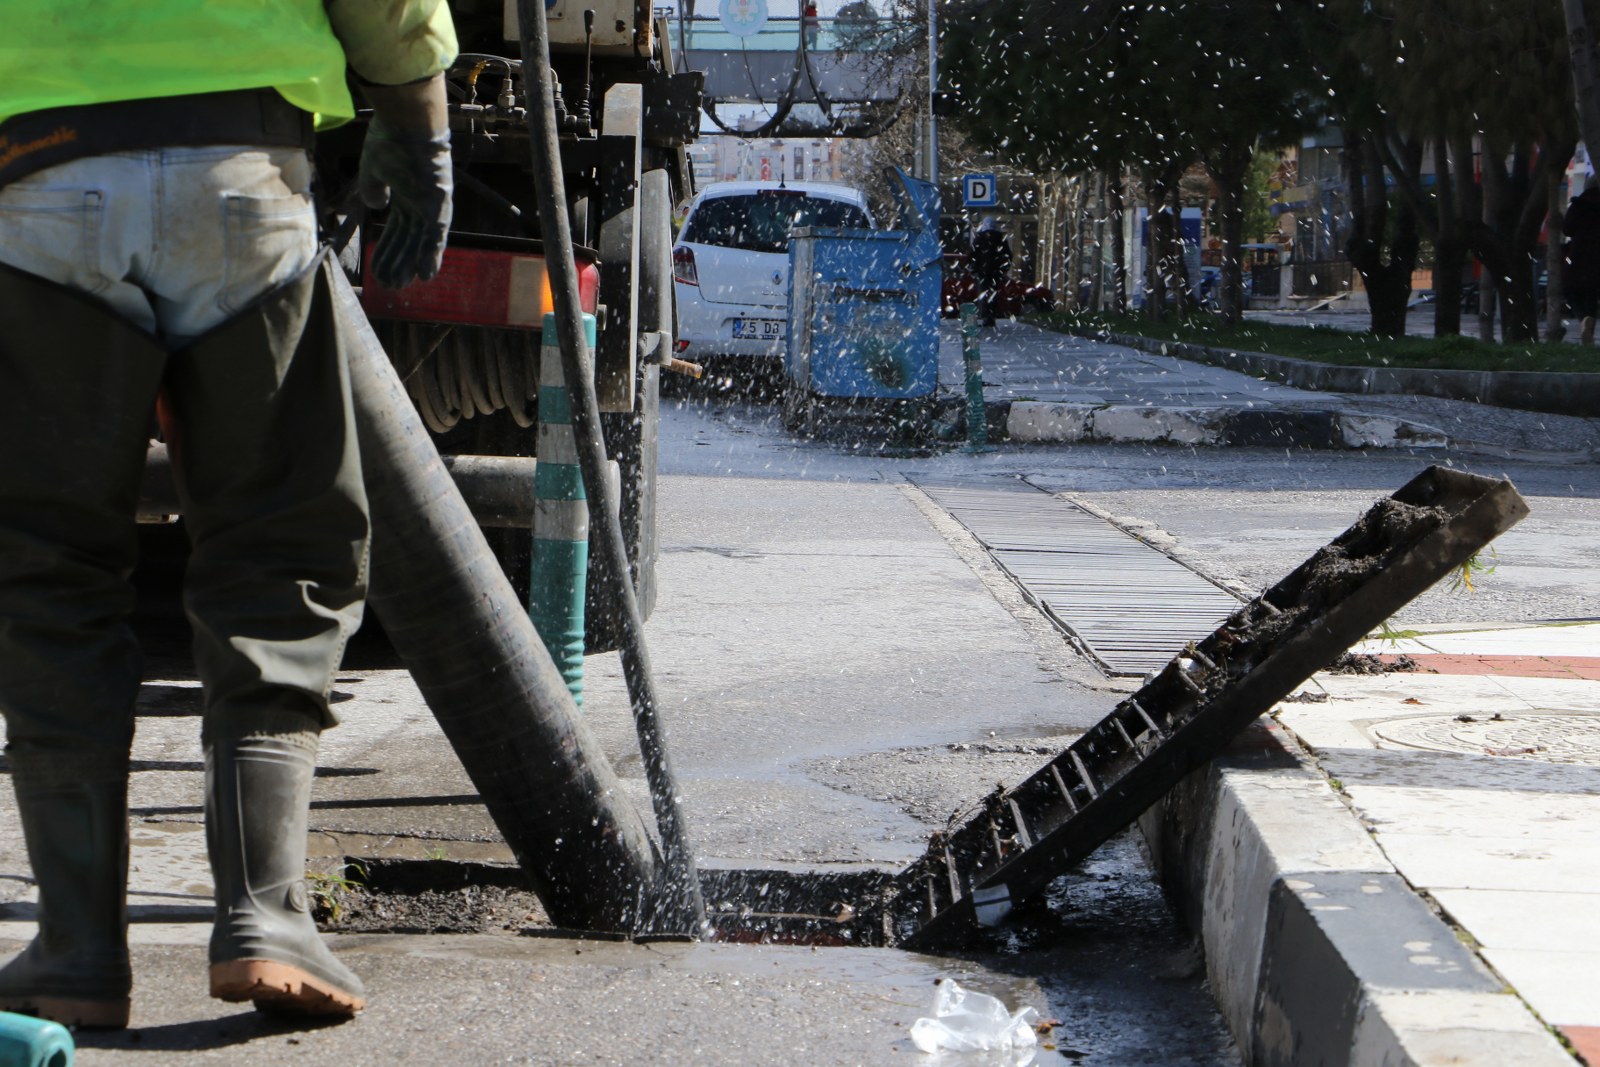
(60, 53)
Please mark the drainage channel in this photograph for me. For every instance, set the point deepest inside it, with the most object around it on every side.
(1128, 605)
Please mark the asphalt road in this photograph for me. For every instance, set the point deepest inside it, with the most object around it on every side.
(1247, 516)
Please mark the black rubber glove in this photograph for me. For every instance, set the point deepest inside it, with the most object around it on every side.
(405, 165)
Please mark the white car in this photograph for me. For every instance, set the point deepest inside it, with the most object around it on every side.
(730, 265)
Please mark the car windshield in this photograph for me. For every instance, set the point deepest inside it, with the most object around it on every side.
(761, 221)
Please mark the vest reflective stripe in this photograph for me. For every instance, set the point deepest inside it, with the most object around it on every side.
(59, 53)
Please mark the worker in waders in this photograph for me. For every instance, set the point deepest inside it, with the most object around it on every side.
(158, 238)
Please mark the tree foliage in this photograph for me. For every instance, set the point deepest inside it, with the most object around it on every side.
(1114, 84)
(1485, 87)
(1476, 93)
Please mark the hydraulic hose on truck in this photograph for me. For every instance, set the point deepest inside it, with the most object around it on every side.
(682, 909)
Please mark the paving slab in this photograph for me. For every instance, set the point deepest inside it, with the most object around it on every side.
(1484, 792)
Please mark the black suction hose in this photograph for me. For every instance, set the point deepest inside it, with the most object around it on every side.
(465, 637)
(680, 907)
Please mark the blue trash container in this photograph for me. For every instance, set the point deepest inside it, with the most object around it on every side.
(864, 311)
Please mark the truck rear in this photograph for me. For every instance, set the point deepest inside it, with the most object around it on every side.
(467, 342)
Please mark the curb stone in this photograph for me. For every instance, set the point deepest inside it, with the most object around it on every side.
(1549, 392)
(1316, 949)
(1044, 422)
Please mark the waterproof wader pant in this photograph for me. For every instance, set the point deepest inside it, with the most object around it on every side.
(258, 417)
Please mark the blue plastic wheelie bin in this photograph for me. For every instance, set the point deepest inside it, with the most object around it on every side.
(864, 314)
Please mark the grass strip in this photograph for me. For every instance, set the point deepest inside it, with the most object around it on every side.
(1323, 344)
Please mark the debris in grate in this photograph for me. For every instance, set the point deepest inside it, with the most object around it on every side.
(798, 907)
(1367, 663)
(436, 896)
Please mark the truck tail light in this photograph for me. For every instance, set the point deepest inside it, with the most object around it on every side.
(478, 287)
(683, 268)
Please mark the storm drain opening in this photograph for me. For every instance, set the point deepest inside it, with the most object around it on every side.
(443, 896)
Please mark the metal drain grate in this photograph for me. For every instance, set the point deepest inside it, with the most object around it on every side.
(1019, 837)
(1131, 607)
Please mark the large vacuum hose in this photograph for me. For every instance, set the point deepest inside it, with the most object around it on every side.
(454, 618)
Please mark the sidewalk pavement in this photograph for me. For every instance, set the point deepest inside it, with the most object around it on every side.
(1478, 777)
(1403, 865)
(1051, 388)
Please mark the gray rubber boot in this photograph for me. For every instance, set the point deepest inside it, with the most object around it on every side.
(264, 947)
(75, 821)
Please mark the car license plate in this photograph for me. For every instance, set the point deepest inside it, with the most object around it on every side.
(759, 329)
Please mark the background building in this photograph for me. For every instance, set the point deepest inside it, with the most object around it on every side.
(726, 158)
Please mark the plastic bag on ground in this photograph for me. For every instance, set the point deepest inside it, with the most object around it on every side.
(964, 1021)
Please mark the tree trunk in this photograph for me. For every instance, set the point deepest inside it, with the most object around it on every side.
(1178, 281)
(1230, 167)
(1521, 315)
(1119, 256)
(1585, 72)
(1524, 217)
(1384, 259)
(1086, 257)
(1097, 278)
(1155, 287)
(1449, 261)
(1488, 299)
(1514, 198)
(1555, 264)
(1450, 246)
(1071, 240)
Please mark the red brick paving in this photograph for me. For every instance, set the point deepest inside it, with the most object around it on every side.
(1586, 1039)
(1584, 667)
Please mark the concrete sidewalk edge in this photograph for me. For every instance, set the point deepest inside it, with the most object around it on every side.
(1316, 949)
(1044, 422)
(1552, 393)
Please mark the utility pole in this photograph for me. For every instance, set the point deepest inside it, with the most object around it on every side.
(933, 89)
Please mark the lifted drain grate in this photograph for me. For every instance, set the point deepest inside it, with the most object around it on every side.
(1130, 606)
(1022, 837)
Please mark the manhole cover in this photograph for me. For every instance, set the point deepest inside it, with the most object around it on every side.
(1573, 737)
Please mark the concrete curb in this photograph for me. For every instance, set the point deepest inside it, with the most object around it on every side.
(1556, 394)
(1316, 949)
(1042, 422)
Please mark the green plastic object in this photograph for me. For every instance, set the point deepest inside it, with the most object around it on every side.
(560, 519)
(972, 363)
(29, 1042)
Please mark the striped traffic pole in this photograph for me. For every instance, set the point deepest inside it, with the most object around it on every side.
(560, 518)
